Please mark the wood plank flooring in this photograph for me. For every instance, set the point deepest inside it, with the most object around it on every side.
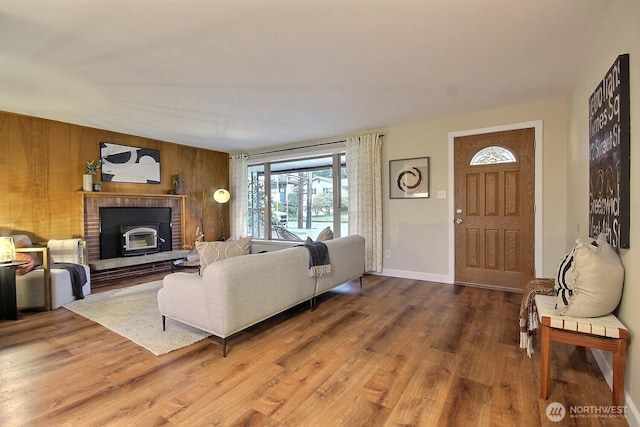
(397, 352)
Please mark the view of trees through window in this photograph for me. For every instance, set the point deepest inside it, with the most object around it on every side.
(303, 197)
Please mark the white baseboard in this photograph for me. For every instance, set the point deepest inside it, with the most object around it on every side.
(440, 278)
(415, 275)
(632, 414)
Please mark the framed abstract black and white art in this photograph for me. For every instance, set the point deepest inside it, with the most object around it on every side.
(409, 178)
(121, 163)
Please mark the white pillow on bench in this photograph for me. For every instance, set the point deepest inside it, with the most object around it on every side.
(589, 280)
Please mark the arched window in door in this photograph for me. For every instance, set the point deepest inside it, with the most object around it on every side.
(493, 155)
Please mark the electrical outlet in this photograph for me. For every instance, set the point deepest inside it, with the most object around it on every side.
(387, 253)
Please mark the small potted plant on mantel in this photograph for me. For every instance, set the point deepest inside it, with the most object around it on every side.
(91, 169)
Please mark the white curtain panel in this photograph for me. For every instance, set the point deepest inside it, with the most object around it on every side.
(364, 173)
(238, 188)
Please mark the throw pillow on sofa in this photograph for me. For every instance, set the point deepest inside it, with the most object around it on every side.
(590, 279)
(325, 234)
(32, 259)
(211, 252)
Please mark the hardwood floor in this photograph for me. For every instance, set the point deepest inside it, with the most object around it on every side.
(397, 352)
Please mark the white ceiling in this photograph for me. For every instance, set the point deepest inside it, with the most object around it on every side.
(236, 75)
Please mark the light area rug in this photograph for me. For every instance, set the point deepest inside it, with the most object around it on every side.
(133, 313)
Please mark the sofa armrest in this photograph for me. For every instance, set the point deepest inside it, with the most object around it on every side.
(346, 255)
(182, 298)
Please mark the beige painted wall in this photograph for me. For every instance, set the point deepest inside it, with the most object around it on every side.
(416, 231)
(619, 33)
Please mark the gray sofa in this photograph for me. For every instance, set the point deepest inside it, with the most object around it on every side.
(239, 292)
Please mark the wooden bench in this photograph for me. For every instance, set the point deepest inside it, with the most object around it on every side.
(604, 333)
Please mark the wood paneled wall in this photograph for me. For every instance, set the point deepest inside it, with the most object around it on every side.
(41, 166)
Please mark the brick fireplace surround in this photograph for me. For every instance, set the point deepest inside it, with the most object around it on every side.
(93, 201)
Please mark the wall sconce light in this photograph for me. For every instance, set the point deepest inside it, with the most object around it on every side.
(221, 196)
(7, 250)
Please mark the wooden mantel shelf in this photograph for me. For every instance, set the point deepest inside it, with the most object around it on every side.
(146, 196)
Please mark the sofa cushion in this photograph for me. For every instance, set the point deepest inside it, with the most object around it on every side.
(21, 240)
(211, 252)
(590, 280)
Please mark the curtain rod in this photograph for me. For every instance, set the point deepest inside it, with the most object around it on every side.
(300, 148)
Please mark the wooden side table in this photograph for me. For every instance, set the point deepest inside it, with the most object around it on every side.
(8, 303)
(184, 264)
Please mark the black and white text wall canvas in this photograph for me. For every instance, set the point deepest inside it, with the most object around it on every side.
(121, 163)
(609, 155)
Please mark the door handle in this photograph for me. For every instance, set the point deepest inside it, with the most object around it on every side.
(458, 221)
